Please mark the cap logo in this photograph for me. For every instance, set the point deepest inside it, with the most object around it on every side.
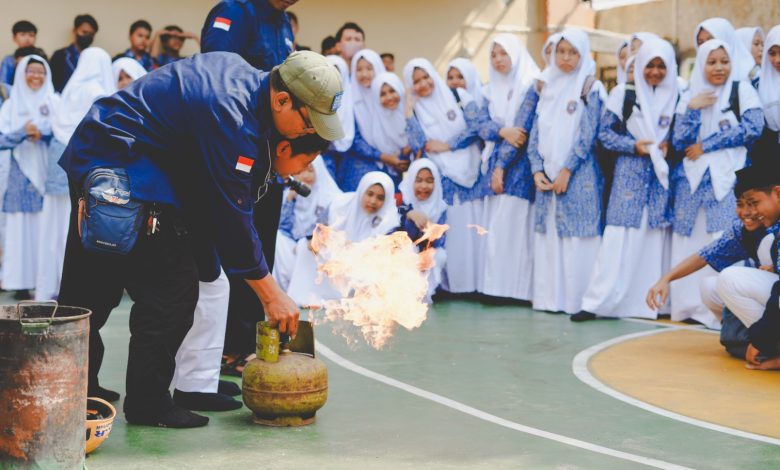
(336, 102)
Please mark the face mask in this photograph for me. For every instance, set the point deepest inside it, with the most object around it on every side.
(84, 42)
(351, 48)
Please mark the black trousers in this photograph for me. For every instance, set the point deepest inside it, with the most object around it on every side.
(161, 277)
(245, 309)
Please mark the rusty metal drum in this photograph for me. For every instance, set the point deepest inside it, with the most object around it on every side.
(43, 385)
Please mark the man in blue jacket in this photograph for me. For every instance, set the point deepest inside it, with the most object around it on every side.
(191, 137)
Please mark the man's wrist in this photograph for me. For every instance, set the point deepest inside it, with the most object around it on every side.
(266, 288)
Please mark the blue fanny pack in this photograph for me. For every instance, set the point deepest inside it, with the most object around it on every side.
(112, 219)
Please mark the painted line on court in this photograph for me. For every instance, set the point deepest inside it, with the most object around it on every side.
(580, 368)
(646, 321)
(328, 353)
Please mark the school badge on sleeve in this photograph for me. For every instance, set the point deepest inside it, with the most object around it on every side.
(222, 23)
(244, 164)
(451, 115)
(571, 106)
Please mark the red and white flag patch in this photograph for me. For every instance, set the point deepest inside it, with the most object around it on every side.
(244, 164)
(222, 23)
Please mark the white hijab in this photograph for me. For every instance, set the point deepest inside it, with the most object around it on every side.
(346, 111)
(506, 91)
(361, 96)
(92, 79)
(26, 105)
(551, 40)
(742, 61)
(746, 36)
(721, 163)
(471, 75)
(769, 86)
(308, 209)
(347, 214)
(560, 107)
(388, 134)
(442, 119)
(622, 75)
(129, 66)
(434, 206)
(656, 105)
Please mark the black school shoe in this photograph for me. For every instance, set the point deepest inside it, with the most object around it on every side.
(174, 417)
(229, 388)
(199, 401)
(582, 316)
(104, 393)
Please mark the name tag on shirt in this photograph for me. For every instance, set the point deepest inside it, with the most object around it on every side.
(222, 23)
(244, 164)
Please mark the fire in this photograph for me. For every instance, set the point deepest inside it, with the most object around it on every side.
(381, 280)
(481, 231)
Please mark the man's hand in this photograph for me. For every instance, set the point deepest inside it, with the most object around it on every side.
(280, 310)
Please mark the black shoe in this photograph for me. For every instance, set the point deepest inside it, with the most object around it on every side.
(23, 294)
(199, 401)
(583, 316)
(104, 393)
(174, 417)
(229, 388)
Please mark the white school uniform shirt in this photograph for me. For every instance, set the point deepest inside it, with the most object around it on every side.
(361, 96)
(441, 118)
(308, 210)
(92, 79)
(345, 112)
(652, 121)
(434, 206)
(471, 75)
(25, 105)
(128, 65)
(741, 59)
(388, 134)
(560, 107)
(769, 86)
(346, 211)
(721, 163)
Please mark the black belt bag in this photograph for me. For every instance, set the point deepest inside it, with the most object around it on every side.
(112, 218)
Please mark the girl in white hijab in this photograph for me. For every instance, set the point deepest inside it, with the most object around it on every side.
(508, 260)
(26, 112)
(92, 79)
(769, 92)
(300, 215)
(368, 212)
(714, 142)
(423, 204)
(449, 130)
(567, 179)
(632, 251)
(720, 28)
(752, 39)
(622, 56)
(462, 73)
(366, 65)
(126, 71)
(335, 154)
(388, 132)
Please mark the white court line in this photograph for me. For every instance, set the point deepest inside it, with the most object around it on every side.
(580, 368)
(341, 361)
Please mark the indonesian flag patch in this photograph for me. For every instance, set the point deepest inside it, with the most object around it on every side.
(222, 23)
(244, 164)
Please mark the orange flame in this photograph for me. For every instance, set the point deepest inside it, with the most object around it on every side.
(381, 280)
(481, 231)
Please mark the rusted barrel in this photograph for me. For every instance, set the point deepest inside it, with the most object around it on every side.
(43, 385)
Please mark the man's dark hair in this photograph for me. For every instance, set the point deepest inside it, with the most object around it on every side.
(29, 50)
(293, 17)
(387, 54)
(89, 19)
(140, 24)
(278, 85)
(308, 144)
(24, 26)
(327, 44)
(349, 25)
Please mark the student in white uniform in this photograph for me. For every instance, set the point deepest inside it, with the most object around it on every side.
(714, 142)
(462, 73)
(91, 80)
(623, 51)
(634, 243)
(126, 71)
(346, 113)
(27, 114)
(567, 178)
(368, 212)
(769, 92)
(742, 61)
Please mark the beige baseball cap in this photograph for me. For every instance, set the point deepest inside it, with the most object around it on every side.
(317, 83)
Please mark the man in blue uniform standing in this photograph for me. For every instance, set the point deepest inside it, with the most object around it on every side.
(187, 140)
(260, 32)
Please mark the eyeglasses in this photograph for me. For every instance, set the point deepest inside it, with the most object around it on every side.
(306, 122)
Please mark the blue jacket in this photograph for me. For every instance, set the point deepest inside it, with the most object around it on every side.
(252, 29)
(180, 132)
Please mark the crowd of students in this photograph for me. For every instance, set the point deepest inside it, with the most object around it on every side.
(556, 192)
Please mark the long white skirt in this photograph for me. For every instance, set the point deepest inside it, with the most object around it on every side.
(686, 300)
(562, 268)
(55, 218)
(20, 254)
(284, 260)
(466, 248)
(304, 287)
(436, 273)
(508, 259)
(630, 261)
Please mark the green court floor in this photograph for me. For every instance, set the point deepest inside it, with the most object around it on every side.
(475, 386)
